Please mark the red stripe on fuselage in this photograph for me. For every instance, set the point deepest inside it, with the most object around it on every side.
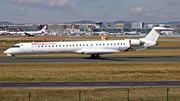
(128, 49)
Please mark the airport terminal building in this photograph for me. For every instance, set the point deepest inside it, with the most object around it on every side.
(22, 27)
(138, 27)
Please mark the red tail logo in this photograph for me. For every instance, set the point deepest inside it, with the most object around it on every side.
(44, 28)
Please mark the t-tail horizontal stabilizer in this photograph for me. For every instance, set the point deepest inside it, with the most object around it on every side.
(154, 34)
(149, 40)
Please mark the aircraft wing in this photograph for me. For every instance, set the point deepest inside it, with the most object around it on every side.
(105, 51)
(32, 33)
(28, 34)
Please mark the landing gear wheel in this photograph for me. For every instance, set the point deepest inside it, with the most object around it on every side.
(13, 57)
(95, 56)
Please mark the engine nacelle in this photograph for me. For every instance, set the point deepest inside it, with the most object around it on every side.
(136, 42)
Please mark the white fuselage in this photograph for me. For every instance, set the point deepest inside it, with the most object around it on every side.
(29, 33)
(83, 47)
(3, 32)
(87, 47)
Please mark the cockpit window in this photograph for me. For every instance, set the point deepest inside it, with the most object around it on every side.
(16, 46)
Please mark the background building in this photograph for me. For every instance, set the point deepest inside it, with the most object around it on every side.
(137, 25)
(22, 27)
(134, 27)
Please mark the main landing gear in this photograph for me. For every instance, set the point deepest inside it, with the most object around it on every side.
(13, 57)
(95, 56)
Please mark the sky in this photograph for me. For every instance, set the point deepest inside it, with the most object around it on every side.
(58, 11)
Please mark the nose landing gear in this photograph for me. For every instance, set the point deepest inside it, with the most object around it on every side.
(13, 57)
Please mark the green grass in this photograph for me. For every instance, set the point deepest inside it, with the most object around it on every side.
(93, 94)
(93, 72)
(89, 72)
(168, 44)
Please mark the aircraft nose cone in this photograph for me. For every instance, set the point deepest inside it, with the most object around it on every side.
(5, 52)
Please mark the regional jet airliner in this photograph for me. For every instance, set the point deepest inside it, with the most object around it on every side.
(93, 48)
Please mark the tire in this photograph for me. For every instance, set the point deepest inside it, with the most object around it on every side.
(97, 56)
(14, 58)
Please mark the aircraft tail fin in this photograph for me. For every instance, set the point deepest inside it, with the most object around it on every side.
(43, 29)
(6, 28)
(154, 34)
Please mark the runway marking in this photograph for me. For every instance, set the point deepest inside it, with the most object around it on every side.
(174, 83)
(100, 83)
(125, 83)
(21, 84)
(47, 84)
(73, 83)
(150, 83)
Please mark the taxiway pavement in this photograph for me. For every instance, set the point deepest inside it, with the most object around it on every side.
(87, 59)
(91, 84)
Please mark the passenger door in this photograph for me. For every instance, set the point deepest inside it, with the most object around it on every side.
(25, 47)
